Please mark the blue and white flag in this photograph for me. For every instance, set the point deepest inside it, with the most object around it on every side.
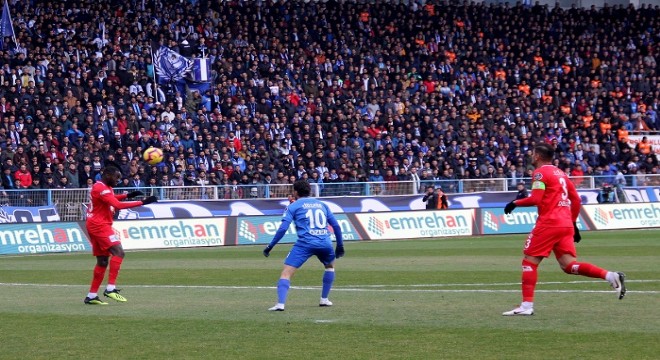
(200, 88)
(201, 71)
(171, 66)
(6, 26)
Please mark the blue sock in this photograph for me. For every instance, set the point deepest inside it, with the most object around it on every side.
(282, 290)
(328, 279)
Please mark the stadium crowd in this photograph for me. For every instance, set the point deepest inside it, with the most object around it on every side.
(334, 92)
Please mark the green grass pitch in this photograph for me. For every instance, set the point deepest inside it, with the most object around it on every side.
(421, 299)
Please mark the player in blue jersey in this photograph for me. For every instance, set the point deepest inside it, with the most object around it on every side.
(311, 219)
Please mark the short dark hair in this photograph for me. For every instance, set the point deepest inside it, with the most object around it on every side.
(302, 188)
(110, 170)
(545, 151)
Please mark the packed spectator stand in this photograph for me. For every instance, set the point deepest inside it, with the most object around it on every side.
(339, 93)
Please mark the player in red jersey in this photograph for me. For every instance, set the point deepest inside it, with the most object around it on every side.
(556, 231)
(102, 236)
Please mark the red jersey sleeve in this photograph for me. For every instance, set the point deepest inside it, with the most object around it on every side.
(103, 205)
(109, 197)
(576, 202)
(555, 197)
(538, 191)
(534, 199)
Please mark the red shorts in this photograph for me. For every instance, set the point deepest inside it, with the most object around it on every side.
(543, 240)
(102, 239)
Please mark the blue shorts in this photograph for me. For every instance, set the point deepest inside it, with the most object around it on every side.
(300, 254)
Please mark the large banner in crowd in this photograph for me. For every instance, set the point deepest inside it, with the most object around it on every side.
(14, 214)
(338, 205)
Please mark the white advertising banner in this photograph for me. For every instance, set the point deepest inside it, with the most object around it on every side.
(158, 234)
(417, 224)
(624, 216)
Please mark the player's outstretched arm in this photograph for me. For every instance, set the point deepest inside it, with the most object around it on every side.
(510, 206)
(130, 195)
(278, 236)
(134, 194)
(112, 200)
(149, 200)
(339, 251)
(532, 200)
(576, 202)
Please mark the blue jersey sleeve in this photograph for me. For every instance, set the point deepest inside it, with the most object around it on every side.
(287, 218)
(288, 213)
(335, 226)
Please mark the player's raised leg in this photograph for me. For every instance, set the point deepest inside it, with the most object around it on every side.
(570, 265)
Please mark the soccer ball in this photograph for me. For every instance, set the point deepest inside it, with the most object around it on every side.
(153, 155)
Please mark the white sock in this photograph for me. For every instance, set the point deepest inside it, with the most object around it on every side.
(611, 277)
(92, 295)
(527, 305)
(110, 287)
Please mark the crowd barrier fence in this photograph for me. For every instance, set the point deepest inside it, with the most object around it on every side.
(70, 203)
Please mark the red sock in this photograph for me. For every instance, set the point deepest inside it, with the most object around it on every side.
(585, 269)
(99, 274)
(115, 264)
(529, 278)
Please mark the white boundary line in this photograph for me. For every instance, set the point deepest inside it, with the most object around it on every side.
(367, 288)
(501, 284)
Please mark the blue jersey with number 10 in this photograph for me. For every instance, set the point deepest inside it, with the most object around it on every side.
(311, 218)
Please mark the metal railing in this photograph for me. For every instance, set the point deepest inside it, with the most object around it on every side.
(69, 202)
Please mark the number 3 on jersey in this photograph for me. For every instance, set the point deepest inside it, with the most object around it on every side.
(317, 219)
(564, 188)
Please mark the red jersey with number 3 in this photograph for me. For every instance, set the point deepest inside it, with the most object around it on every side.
(555, 208)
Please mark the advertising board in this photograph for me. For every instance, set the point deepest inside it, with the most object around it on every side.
(261, 229)
(162, 234)
(416, 224)
(522, 220)
(624, 216)
(40, 238)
